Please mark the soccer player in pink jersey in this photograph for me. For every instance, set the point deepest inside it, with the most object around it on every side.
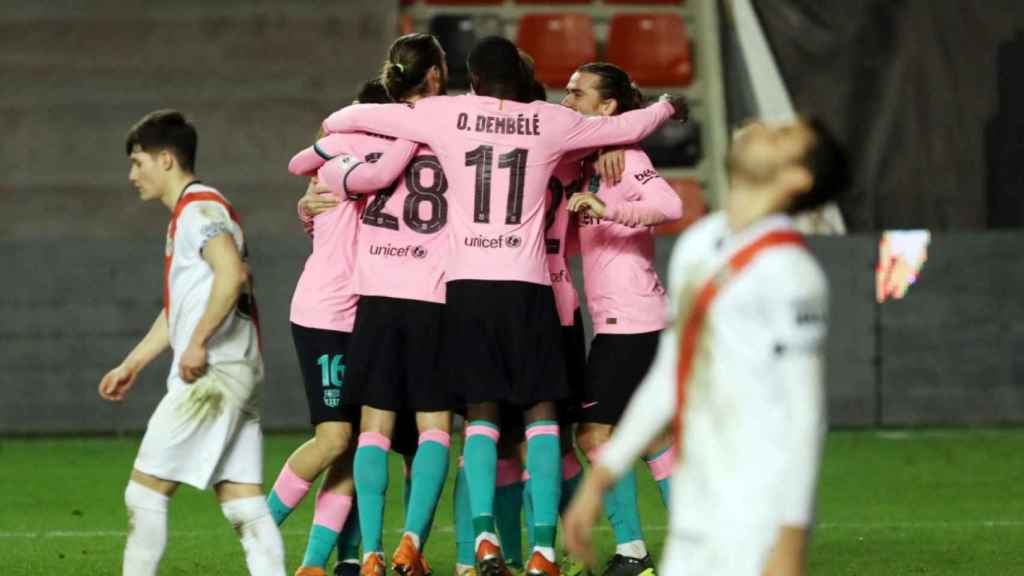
(210, 323)
(502, 340)
(322, 315)
(625, 297)
(394, 356)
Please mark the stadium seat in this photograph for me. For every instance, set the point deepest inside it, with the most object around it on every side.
(653, 48)
(406, 24)
(559, 43)
(674, 145)
(457, 34)
(694, 207)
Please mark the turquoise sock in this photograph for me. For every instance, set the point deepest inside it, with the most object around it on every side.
(371, 476)
(429, 469)
(620, 505)
(464, 536)
(480, 456)
(664, 490)
(508, 504)
(528, 515)
(279, 511)
(319, 546)
(543, 460)
(350, 537)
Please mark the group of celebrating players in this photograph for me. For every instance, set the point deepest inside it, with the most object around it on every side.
(438, 285)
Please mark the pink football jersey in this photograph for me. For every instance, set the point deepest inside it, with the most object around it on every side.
(624, 294)
(402, 241)
(325, 296)
(498, 157)
(561, 240)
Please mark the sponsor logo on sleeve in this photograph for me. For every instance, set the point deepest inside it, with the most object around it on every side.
(645, 176)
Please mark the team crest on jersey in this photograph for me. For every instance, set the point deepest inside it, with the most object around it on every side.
(332, 397)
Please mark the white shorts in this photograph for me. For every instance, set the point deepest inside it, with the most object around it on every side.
(700, 554)
(207, 432)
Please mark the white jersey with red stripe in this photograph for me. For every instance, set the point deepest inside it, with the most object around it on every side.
(753, 418)
(201, 214)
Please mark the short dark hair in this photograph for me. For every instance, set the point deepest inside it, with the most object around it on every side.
(497, 70)
(410, 57)
(827, 162)
(615, 85)
(531, 89)
(373, 92)
(165, 130)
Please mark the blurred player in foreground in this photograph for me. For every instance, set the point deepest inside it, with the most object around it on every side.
(205, 431)
(739, 370)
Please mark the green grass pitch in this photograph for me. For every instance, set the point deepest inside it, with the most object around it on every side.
(890, 503)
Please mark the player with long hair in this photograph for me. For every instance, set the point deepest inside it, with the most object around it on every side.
(501, 336)
(625, 298)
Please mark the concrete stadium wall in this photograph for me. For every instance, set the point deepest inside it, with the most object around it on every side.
(950, 353)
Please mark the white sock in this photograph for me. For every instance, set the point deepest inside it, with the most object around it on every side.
(415, 539)
(261, 540)
(547, 553)
(461, 569)
(489, 536)
(635, 549)
(147, 530)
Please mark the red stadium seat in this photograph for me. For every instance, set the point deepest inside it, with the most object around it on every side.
(653, 48)
(692, 195)
(558, 43)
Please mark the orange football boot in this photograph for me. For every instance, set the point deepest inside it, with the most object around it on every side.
(540, 566)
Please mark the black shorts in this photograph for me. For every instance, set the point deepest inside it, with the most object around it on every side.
(615, 367)
(503, 343)
(574, 347)
(393, 356)
(322, 360)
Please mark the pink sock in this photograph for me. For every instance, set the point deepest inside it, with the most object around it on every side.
(332, 510)
(290, 488)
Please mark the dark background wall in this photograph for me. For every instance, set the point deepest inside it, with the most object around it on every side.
(950, 353)
(926, 93)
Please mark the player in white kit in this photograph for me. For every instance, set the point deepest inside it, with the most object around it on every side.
(205, 432)
(739, 369)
